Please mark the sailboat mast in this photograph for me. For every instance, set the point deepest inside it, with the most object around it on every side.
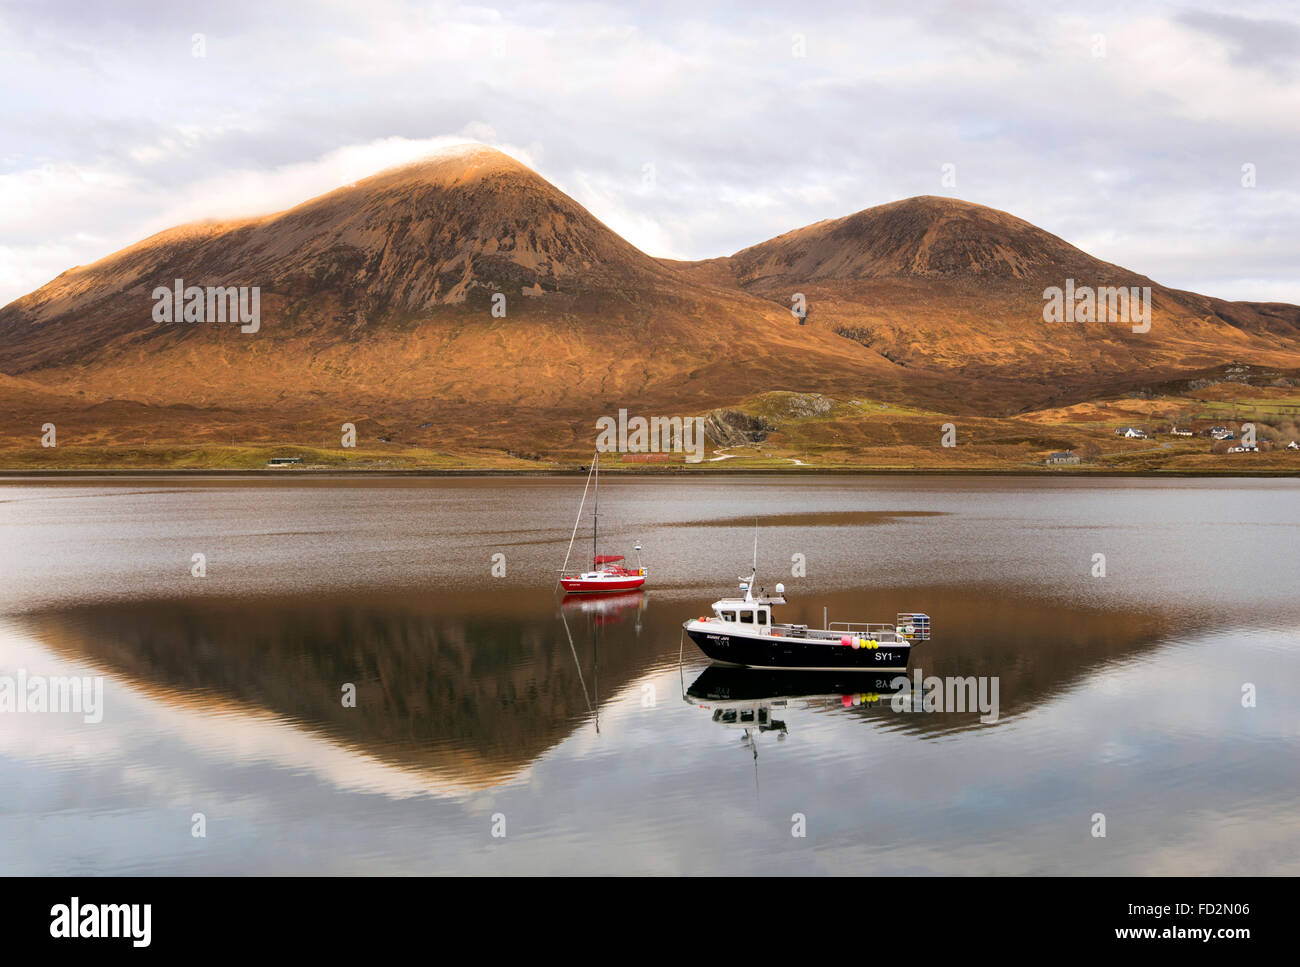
(577, 522)
(595, 512)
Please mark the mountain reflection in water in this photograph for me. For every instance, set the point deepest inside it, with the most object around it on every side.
(482, 684)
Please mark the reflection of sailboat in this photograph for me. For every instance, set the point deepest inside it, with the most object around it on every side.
(594, 709)
(607, 573)
(607, 609)
(601, 612)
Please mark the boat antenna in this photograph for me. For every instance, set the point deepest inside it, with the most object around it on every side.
(748, 585)
(753, 570)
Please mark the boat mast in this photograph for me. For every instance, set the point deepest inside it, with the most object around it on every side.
(595, 509)
(577, 522)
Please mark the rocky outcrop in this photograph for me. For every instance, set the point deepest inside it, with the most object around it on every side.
(733, 428)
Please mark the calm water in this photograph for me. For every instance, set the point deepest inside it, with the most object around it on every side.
(483, 701)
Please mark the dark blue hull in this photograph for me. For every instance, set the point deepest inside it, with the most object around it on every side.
(771, 651)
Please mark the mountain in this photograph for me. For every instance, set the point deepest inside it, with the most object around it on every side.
(377, 307)
(926, 237)
(382, 293)
(444, 232)
(943, 285)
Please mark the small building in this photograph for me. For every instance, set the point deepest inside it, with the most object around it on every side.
(1180, 431)
(1293, 445)
(1062, 457)
(1131, 433)
(283, 461)
(1245, 448)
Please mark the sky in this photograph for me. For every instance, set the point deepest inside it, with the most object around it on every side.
(1162, 137)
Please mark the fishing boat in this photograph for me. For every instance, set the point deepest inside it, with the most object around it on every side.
(741, 631)
(609, 574)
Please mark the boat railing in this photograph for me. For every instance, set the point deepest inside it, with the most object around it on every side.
(859, 627)
(803, 631)
(911, 626)
(837, 630)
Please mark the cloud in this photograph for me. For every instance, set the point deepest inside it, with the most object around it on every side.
(1252, 42)
(755, 120)
(242, 192)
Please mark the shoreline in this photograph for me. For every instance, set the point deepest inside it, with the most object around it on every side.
(643, 471)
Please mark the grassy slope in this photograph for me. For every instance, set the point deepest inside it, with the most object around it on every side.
(809, 432)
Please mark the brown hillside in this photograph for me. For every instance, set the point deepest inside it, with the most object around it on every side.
(940, 285)
(380, 293)
(376, 309)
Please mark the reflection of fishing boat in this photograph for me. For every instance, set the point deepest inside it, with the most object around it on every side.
(606, 609)
(728, 683)
(607, 574)
(750, 698)
(741, 632)
(749, 715)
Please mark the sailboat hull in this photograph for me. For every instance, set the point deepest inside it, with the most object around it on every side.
(602, 585)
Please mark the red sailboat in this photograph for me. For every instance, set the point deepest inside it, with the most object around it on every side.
(608, 574)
